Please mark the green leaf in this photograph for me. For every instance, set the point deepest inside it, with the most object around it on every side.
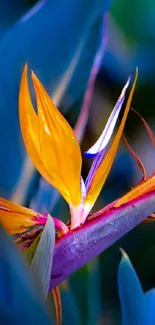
(42, 260)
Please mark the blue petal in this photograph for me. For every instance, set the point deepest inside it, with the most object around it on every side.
(131, 294)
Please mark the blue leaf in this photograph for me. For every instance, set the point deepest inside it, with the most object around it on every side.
(131, 294)
(20, 300)
(150, 305)
(42, 260)
(48, 38)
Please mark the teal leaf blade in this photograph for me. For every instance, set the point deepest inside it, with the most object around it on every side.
(131, 294)
(41, 264)
(20, 299)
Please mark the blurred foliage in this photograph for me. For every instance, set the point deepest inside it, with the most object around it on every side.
(132, 38)
(91, 295)
(20, 296)
(43, 38)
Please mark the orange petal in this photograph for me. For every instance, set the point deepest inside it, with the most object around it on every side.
(57, 302)
(50, 141)
(143, 188)
(15, 218)
(105, 167)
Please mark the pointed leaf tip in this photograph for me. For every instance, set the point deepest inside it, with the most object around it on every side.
(130, 293)
(124, 254)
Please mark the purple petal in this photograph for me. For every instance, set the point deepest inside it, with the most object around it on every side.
(105, 137)
(95, 164)
(80, 246)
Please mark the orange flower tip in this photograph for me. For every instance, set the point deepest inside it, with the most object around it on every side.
(33, 76)
(25, 68)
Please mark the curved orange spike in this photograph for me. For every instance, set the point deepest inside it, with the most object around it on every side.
(50, 141)
(148, 129)
(15, 218)
(137, 159)
(148, 184)
(141, 189)
(28, 118)
(58, 307)
(105, 167)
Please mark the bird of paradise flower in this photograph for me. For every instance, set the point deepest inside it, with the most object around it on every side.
(53, 147)
(54, 150)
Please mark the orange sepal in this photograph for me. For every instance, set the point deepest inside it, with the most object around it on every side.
(50, 141)
(15, 218)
